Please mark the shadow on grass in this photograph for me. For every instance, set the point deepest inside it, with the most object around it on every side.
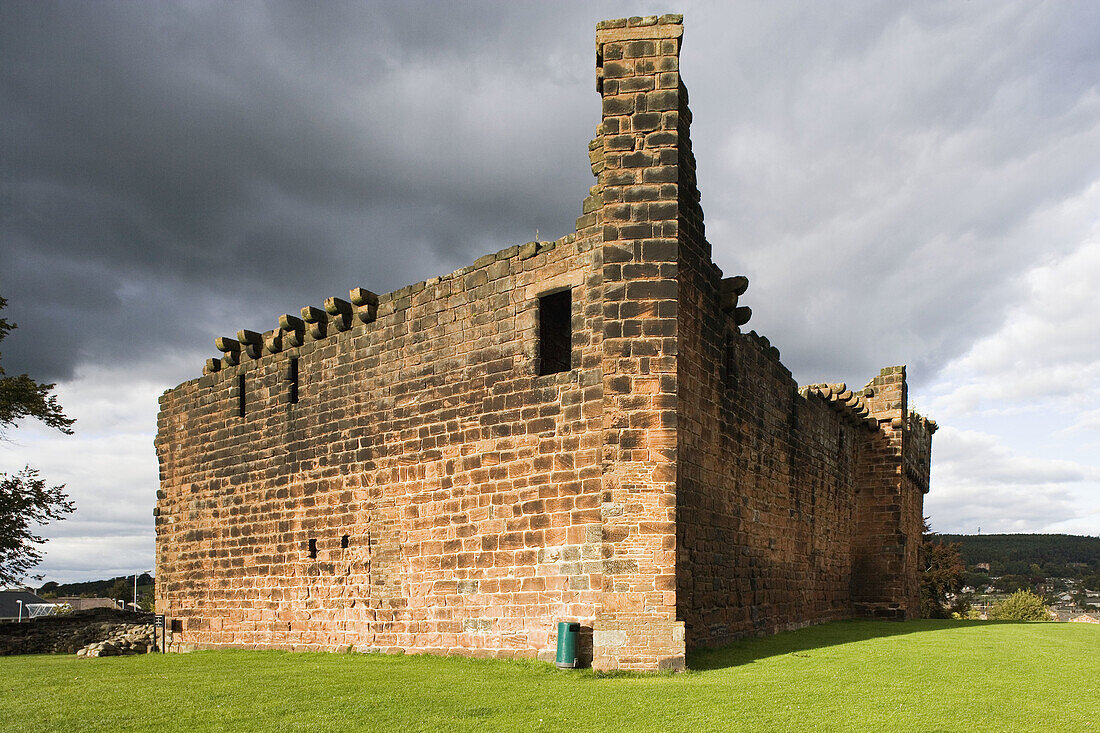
(834, 633)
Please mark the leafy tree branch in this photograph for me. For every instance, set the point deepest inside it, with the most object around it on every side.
(26, 502)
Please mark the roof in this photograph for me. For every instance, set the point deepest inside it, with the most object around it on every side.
(9, 602)
(78, 603)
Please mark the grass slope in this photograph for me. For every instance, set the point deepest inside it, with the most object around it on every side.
(857, 675)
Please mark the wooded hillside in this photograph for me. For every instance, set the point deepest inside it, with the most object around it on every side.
(1061, 555)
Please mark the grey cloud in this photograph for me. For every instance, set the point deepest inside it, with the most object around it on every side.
(881, 191)
(79, 558)
(203, 168)
(979, 481)
(247, 161)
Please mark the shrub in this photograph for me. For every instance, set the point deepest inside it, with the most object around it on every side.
(971, 614)
(1022, 605)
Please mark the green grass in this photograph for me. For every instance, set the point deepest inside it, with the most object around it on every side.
(858, 675)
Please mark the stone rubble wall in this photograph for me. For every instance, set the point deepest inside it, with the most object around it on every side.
(122, 640)
(73, 632)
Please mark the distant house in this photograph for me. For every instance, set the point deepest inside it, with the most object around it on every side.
(16, 604)
(1085, 618)
(982, 566)
(82, 604)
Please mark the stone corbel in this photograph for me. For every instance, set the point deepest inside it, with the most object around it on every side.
(366, 304)
(231, 348)
(341, 311)
(273, 341)
(317, 320)
(253, 343)
(294, 330)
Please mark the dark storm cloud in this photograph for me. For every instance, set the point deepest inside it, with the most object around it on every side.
(167, 163)
(172, 171)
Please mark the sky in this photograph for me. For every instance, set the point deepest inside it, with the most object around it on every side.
(902, 183)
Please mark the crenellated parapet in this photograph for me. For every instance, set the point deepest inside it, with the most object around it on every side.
(315, 324)
(923, 423)
(880, 401)
(766, 345)
(847, 403)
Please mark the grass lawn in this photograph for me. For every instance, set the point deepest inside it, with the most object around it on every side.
(855, 675)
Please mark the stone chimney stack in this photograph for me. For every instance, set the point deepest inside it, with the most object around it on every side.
(646, 183)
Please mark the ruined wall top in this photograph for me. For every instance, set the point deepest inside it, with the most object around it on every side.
(669, 25)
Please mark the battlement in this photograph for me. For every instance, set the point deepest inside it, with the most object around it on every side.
(362, 307)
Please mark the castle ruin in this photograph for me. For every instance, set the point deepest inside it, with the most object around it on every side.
(571, 430)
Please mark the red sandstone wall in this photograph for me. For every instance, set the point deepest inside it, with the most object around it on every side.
(789, 512)
(480, 502)
(894, 480)
(767, 499)
(639, 172)
(672, 488)
(468, 486)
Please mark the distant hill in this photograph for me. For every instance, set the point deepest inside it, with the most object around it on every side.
(100, 588)
(1063, 555)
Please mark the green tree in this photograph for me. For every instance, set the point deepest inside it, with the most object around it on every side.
(26, 502)
(1023, 605)
(941, 574)
(1012, 583)
(121, 590)
(978, 581)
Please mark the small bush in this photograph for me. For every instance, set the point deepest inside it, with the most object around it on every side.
(1022, 605)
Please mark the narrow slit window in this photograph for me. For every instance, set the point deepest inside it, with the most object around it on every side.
(292, 377)
(313, 549)
(555, 332)
(730, 366)
(344, 542)
(240, 396)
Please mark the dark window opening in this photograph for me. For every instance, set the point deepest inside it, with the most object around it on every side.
(555, 332)
(344, 542)
(240, 395)
(313, 549)
(292, 374)
(729, 367)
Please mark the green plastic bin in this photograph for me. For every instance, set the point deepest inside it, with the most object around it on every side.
(567, 644)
